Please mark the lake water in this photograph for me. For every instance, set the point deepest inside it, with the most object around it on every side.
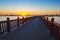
(2, 18)
(56, 19)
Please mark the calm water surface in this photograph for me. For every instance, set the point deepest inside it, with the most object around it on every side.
(2, 18)
(56, 19)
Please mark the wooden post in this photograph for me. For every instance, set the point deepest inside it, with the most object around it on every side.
(8, 25)
(47, 18)
(23, 20)
(18, 21)
(47, 21)
(52, 20)
(27, 18)
(0, 27)
(58, 34)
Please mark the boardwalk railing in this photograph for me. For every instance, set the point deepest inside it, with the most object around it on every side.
(6, 26)
(53, 27)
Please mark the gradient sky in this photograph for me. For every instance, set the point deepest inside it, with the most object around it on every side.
(34, 6)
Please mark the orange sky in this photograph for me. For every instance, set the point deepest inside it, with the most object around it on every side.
(30, 13)
(29, 7)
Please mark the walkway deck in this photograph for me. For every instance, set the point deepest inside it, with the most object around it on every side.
(32, 30)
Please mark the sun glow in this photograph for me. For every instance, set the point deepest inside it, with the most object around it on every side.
(24, 14)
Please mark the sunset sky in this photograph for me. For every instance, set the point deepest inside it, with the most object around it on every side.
(30, 7)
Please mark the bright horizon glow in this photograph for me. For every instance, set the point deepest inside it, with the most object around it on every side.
(23, 13)
(30, 7)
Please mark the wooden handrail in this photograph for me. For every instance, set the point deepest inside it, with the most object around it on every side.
(56, 24)
(53, 26)
(5, 26)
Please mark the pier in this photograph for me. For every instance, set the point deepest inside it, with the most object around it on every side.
(31, 28)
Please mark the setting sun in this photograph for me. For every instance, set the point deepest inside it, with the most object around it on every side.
(24, 14)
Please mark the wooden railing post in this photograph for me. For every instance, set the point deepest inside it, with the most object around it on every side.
(26, 18)
(23, 20)
(18, 21)
(47, 21)
(0, 27)
(58, 34)
(8, 25)
(52, 20)
(47, 18)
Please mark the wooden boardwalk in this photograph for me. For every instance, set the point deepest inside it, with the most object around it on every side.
(32, 30)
